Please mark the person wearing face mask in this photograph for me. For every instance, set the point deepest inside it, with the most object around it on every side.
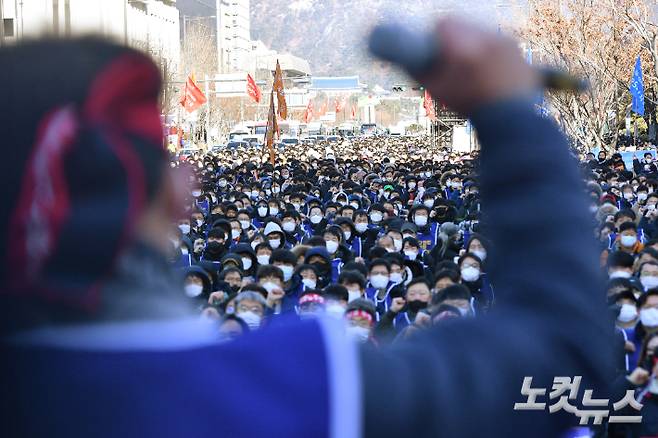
(645, 167)
(377, 215)
(412, 251)
(251, 308)
(648, 274)
(215, 248)
(379, 284)
(196, 285)
(351, 239)
(308, 274)
(627, 320)
(315, 222)
(427, 231)
(292, 285)
(338, 251)
(319, 257)
(275, 235)
(360, 319)
(289, 224)
(478, 244)
(365, 231)
(249, 260)
(411, 189)
(355, 283)
(627, 239)
(261, 213)
(270, 278)
(476, 281)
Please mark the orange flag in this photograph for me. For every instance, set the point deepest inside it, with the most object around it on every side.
(192, 97)
(428, 104)
(271, 130)
(280, 95)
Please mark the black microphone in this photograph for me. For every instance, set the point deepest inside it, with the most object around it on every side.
(419, 52)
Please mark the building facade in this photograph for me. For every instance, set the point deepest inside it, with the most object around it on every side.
(149, 25)
(233, 35)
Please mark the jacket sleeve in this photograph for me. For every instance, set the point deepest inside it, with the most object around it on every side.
(464, 377)
(637, 167)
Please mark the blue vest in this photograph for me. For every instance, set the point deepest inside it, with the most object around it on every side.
(428, 239)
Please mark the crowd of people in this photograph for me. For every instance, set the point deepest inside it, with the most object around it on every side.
(390, 238)
(387, 240)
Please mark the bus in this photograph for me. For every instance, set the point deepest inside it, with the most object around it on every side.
(368, 129)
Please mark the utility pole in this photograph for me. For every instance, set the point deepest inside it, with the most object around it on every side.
(207, 87)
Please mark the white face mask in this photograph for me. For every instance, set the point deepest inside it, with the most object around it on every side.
(642, 196)
(429, 203)
(628, 241)
(246, 263)
(309, 283)
(287, 272)
(316, 219)
(412, 185)
(411, 254)
(222, 183)
(193, 290)
(482, 254)
(199, 222)
(470, 274)
(274, 211)
(361, 227)
(269, 286)
(262, 211)
(235, 234)
(332, 246)
(649, 282)
(353, 295)
(376, 217)
(184, 228)
(619, 274)
(359, 334)
(250, 318)
(244, 224)
(289, 226)
(421, 221)
(628, 196)
(379, 281)
(397, 243)
(297, 206)
(396, 277)
(627, 313)
(275, 243)
(184, 251)
(649, 317)
(347, 234)
(263, 259)
(196, 193)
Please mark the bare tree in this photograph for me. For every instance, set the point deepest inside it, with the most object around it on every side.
(587, 40)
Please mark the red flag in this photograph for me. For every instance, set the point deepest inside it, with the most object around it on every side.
(308, 112)
(193, 97)
(278, 88)
(428, 104)
(272, 129)
(252, 89)
(354, 111)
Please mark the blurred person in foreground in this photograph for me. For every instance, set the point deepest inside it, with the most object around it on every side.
(97, 344)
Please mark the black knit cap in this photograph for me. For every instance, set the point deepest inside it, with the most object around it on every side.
(87, 157)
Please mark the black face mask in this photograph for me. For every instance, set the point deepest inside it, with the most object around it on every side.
(214, 247)
(416, 305)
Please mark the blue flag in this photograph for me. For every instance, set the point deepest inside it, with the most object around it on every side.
(637, 89)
